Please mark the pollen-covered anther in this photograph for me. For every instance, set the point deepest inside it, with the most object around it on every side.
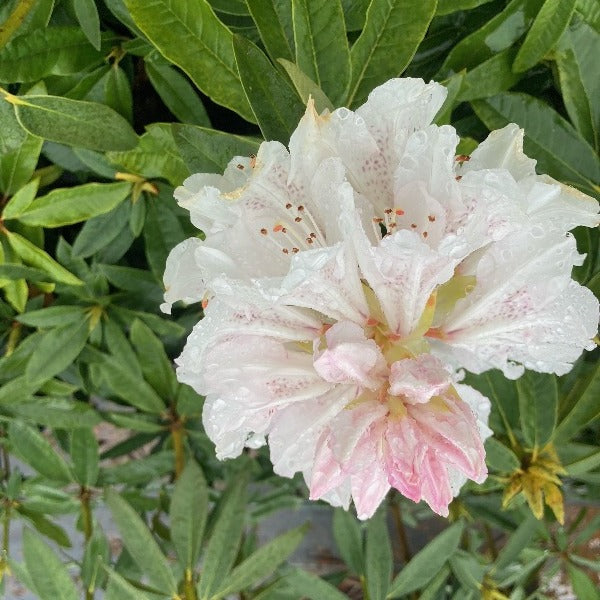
(288, 205)
(295, 250)
(298, 219)
(461, 158)
(264, 231)
(431, 218)
(279, 227)
(399, 212)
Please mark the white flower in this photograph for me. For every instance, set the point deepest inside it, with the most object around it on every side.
(349, 278)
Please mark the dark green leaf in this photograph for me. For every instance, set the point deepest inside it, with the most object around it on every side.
(85, 456)
(426, 564)
(378, 556)
(518, 540)
(118, 92)
(17, 167)
(499, 457)
(177, 94)
(57, 349)
(270, 28)
(16, 271)
(87, 15)
(548, 26)
(275, 104)
(59, 413)
(210, 150)
(583, 586)
(140, 471)
(321, 45)
(538, 405)
(348, 538)
(21, 200)
(120, 589)
(193, 38)
(304, 584)
(393, 31)
(446, 7)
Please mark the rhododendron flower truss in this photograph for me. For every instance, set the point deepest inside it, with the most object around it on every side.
(347, 280)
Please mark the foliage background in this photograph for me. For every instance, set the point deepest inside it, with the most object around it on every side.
(105, 106)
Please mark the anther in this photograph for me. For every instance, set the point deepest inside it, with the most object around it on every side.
(240, 167)
(298, 219)
(264, 231)
(278, 227)
(399, 212)
(413, 225)
(388, 211)
(288, 206)
(431, 218)
(295, 250)
(285, 251)
(300, 208)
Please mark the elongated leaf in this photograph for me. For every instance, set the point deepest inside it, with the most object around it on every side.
(210, 150)
(140, 471)
(378, 557)
(156, 366)
(584, 411)
(392, 33)
(270, 28)
(16, 271)
(17, 167)
(348, 537)
(538, 405)
(548, 26)
(73, 122)
(51, 51)
(583, 586)
(57, 349)
(275, 104)
(306, 87)
(118, 92)
(499, 457)
(224, 542)
(425, 565)
(60, 413)
(87, 15)
(192, 37)
(70, 205)
(37, 452)
(307, 585)
(321, 45)
(576, 60)
(21, 200)
(85, 456)
(189, 508)
(128, 386)
(559, 150)
(262, 563)
(496, 35)
(52, 316)
(518, 540)
(140, 544)
(50, 577)
(177, 94)
(120, 589)
(446, 7)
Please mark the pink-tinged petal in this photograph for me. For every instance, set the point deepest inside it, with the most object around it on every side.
(327, 280)
(350, 357)
(524, 309)
(418, 380)
(368, 492)
(182, 277)
(435, 486)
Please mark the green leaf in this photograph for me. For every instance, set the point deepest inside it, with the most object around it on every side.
(65, 206)
(74, 123)
(496, 35)
(427, 563)
(190, 36)
(322, 46)
(590, 11)
(585, 409)
(21, 200)
(156, 155)
(538, 406)
(118, 92)
(17, 167)
(576, 62)
(140, 471)
(306, 585)
(582, 585)
(87, 15)
(188, 512)
(50, 577)
(224, 542)
(549, 25)
(98, 232)
(128, 386)
(177, 94)
(85, 456)
(491, 77)
(37, 452)
(392, 33)
(156, 366)
(120, 589)
(52, 316)
(270, 28)
(499, 457)
(57, 349)
(453, 85)
(209, 150)
(348, 538)
(59, 413)
(16, 271)
(141, 545)
(378, 556)
(261, 563)
(306, 87)
(559, 149)
(274, 103)
(518, 540)
(46, 51)
(446, 7)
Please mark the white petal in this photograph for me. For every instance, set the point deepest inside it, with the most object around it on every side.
(182, 278)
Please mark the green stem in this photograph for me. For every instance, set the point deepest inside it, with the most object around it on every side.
(86, 513)
(405, 551)
(15, 20)
(188, 586)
